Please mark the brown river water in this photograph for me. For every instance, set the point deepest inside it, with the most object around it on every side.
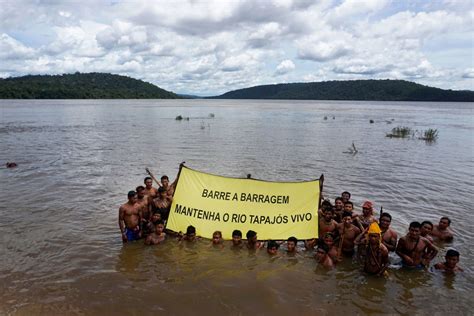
(60, 246)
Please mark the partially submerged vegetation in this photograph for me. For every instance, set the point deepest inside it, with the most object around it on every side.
(400, 132)
(429, 135)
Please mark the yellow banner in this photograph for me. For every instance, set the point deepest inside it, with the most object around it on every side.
(275, 210)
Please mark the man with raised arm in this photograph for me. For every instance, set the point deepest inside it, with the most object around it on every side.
(129, 218)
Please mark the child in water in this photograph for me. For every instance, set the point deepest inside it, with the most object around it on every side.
(158, 236)
(217, 239)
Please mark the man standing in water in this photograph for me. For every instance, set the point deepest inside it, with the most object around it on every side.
(442, 230)
(323, 258)
(150, 191)
(389, 236)
(367, 216)
(162, 203)
(129, 218)
(416, 251)
(348, 233)
(346, 196)
(376, 254)
(327, 224)
(338, 209)
(451, 262)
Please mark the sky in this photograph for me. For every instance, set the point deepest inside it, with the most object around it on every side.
(214, 46)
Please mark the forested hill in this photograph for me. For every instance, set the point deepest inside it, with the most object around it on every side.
(376, 90)
(80, 86)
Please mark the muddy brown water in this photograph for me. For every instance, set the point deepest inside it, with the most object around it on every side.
(60, 249)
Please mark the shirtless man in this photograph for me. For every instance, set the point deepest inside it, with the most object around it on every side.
(158, 236)
(150, 191)
(237, 239)
(450, 265)
(415, 251)
(348, 233)
(252, 241)
(328, 240)
(217, 240)
(346, 196)
(389, 236)
(376, 254)
(190, 234)
(367, 216)
(426, 229)
(272, 248)
(442, 231)
(129, 219)
(165, 183)
(323, 258)
(291, 246)
(145, 214)
(338, 209)
(162, 203)
(327, 224)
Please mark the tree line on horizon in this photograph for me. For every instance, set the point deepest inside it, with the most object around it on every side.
(366, 90)
(80, 86)
(110, 86)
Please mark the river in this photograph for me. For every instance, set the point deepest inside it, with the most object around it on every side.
(61, 251)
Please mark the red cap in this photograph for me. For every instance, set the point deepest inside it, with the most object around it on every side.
(367, 204)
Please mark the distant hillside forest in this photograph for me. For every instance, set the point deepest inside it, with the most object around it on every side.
(369, 90)
(80, 86)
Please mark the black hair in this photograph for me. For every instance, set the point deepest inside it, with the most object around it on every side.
(250, 234)
(237, 233)
(190, 230)
(161, 190)
(346, 214)
(165, 177)
(140, 188)
(349, 202)
(272, 244)
(415, 225)
(452, 253)
(447, 218)
(324, 247)
(131, 194)
(387, 215)
(147, 178)
(293, 239)
(345, 192)
(338, 199)
(326, 204)
(427, 222)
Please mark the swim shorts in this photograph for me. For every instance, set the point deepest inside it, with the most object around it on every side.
(132, 234)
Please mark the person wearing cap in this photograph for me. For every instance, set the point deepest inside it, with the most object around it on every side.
(367, 216)
(376, 254)
(129, 218)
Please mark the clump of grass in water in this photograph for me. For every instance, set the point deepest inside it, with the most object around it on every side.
(430, 135)
(400, 132)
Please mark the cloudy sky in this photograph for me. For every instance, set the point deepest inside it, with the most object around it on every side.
(213, 46)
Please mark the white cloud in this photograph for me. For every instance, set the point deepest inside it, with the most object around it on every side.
(285, 67)
(212, 46)
(10, 48)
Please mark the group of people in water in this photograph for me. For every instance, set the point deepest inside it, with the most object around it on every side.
(342, 232)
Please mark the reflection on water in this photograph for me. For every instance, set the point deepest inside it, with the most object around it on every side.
(61, 252)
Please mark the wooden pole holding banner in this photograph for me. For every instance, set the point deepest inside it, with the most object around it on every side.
(321, 184)
(152, 176)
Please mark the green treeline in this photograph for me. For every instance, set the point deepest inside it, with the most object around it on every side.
(370, 90)
(80, 86)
